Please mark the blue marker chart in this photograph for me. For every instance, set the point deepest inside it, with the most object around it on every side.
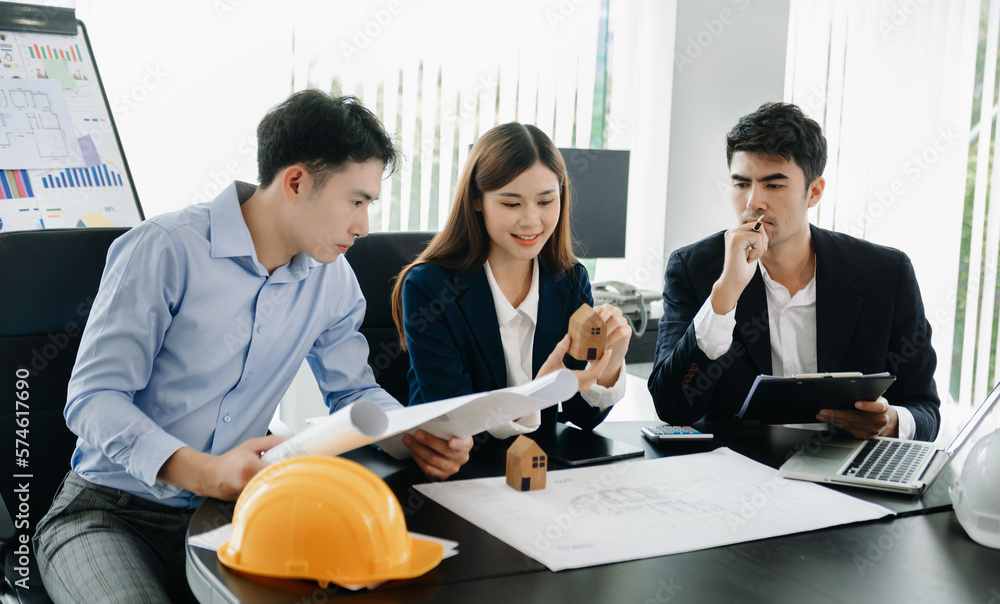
(94, 176)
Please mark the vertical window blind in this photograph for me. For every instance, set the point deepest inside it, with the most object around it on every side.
(897, 87)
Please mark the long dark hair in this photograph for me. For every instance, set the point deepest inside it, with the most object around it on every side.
(498, 157)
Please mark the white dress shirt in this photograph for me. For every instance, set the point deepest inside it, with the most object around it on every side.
(517, 335)
(791, 321)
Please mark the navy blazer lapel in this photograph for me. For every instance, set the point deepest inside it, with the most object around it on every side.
(480, 313)
(553, 301)
(838, 306)
(752, 323)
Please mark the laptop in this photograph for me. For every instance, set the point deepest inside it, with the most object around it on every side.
(886, 464)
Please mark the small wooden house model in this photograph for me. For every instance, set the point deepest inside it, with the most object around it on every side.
(526, 465)
(587, 332)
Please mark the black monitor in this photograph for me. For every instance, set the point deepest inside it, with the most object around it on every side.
(599, 179)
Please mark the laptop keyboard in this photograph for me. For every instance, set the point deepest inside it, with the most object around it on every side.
(889, 460)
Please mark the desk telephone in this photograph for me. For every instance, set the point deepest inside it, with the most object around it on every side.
(628, 299)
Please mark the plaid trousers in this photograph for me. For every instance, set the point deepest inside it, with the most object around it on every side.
(98, 544)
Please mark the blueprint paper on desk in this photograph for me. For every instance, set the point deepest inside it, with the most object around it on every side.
(632, 510)
(364, 422)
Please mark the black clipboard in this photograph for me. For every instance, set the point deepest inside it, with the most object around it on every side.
(797, 399)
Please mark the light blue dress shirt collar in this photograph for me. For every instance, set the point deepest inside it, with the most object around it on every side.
(230, 237)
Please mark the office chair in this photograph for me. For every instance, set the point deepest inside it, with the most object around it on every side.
(48, 280)
(376, 260)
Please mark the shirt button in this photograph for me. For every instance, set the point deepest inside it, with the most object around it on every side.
(227, 419)
(260, 328)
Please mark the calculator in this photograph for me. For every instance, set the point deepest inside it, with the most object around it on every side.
(668, 432)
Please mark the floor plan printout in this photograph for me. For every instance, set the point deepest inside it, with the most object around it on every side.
(632, 510)
(35, 127)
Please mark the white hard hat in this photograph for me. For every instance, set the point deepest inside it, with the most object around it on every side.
(976, 492)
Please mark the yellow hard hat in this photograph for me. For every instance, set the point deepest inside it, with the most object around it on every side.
(324, 518)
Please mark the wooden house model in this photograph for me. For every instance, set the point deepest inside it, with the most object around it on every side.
(526, 465)
(587, 332)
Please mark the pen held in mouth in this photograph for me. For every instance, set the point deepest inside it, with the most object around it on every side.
(760, 221)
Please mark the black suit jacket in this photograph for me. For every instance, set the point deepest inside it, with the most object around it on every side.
(450, 325)
(869, 318)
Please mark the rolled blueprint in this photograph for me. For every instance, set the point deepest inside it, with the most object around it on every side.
(349, 428)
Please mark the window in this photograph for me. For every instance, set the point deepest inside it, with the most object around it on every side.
(578, 70)
(439, 85)
(895, 87)
(973, 359)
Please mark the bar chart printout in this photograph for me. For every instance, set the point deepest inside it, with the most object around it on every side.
(94, 176)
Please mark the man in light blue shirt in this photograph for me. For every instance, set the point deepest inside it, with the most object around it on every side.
(202, 319)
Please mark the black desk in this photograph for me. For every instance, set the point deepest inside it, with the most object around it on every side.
(920, 555)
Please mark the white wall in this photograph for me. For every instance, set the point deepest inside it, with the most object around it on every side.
(729, 59)
(188, 82)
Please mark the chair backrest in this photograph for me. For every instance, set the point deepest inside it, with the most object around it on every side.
(48, 281)
(376, 260)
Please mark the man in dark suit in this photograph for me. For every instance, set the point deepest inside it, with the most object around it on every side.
(789, 298)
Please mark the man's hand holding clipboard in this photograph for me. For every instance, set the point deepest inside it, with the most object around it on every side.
(852, 401)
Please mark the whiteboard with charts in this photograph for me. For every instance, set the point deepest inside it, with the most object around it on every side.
(61, 162)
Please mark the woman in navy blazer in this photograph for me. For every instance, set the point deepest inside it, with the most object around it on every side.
(508, 223)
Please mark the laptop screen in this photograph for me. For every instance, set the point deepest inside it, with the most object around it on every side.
(977, 418)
